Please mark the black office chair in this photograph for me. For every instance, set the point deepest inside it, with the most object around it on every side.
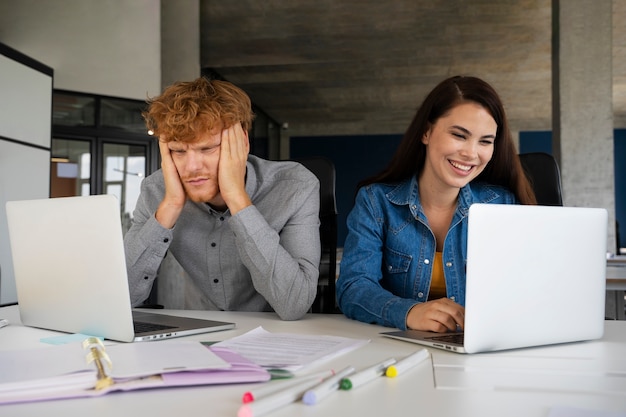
(324, 169)
(545, 177)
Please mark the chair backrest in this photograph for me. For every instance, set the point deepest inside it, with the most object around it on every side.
(324, 169)
(544, 174)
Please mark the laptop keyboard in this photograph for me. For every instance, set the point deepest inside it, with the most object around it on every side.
(143, 327)
(449, 338)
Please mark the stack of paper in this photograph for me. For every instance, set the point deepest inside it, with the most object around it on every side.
(70, 371)
(289, 351)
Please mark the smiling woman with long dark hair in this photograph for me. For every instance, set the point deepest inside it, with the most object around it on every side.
(404, 257)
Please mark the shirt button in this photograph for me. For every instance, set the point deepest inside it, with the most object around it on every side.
(420, 294)
(448, 264)
(222, 218)
(426, 261)
(389, 268)
(146, 277)
(213, 244)
(166, 240)
(452, 298)
(216, 280)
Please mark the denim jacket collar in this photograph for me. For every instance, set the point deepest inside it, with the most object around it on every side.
(407, 193)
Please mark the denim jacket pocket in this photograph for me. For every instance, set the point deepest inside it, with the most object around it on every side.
(396, 262)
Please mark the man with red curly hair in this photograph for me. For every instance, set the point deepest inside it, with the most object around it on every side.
(244, 229)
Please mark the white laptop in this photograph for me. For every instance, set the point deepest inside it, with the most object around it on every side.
(535, 276)
(70, 272)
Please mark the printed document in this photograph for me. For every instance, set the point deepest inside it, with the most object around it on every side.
(289, 351)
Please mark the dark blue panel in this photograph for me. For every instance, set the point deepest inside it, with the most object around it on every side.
(619, 143)
(535, 142)
(355, 158)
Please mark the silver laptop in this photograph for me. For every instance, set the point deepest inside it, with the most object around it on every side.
(70, 272)
(535, 276)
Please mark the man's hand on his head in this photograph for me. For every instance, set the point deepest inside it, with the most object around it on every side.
(232, 168)
(174, 199)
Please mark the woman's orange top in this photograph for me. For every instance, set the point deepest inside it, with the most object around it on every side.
(438, 280)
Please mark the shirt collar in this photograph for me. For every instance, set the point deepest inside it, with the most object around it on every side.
(252, 184)
(407, 193)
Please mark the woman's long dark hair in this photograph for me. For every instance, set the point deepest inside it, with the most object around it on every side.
(503, 169)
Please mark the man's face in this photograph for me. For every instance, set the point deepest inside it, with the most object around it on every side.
(197, 164)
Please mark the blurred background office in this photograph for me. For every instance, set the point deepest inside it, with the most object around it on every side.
(333, 78)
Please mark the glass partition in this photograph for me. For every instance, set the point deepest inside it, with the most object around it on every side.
(70, 168)
(124, 167)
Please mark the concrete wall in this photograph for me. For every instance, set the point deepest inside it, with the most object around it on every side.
(582, 111)
(180, 41)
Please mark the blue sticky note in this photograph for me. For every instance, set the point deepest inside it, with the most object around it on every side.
(66, 338)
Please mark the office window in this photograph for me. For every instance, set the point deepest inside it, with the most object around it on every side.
(124, 169)
(122, 114)
(73, 110)
(100, 146)
(70, 168)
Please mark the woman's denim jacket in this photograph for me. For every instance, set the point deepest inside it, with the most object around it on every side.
(388, 254)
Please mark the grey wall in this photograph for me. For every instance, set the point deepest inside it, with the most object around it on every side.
(101, 47)
(25, 120)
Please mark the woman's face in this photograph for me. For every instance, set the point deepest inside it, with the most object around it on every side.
(458, 146)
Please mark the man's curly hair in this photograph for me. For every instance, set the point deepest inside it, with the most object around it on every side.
(187, 109)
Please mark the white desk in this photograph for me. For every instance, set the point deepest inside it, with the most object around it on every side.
(526, 382)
